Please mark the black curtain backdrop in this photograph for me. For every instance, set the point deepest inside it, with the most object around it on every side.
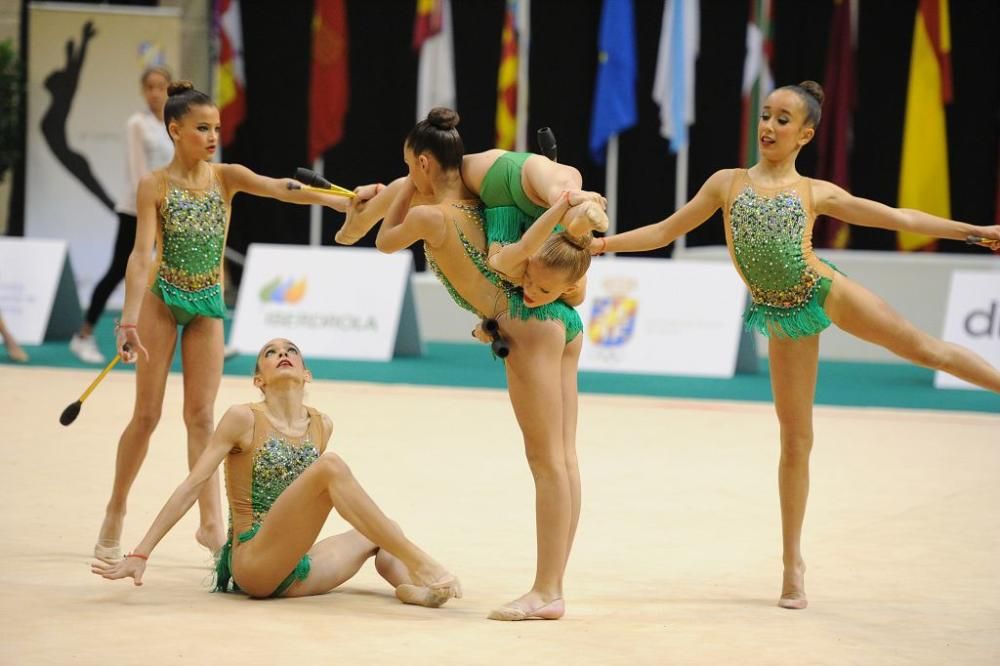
(383, 68)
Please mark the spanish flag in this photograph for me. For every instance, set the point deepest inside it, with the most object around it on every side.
(507, 81)
(230, 80)
(329, 89)
(923, 175)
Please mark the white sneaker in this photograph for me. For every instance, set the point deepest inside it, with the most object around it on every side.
(86, 349)
(229, 351)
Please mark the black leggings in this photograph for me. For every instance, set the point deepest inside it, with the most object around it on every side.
(116, 271)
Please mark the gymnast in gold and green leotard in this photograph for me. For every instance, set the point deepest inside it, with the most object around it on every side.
(769, 211)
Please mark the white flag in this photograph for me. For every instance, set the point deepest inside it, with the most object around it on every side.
(436, 72)
(673, 83)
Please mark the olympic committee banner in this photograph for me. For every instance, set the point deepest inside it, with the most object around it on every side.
(652, 316)
(972, 319)
(84, 66)
(334, 302)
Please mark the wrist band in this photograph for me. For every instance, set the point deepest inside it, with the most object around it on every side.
(141, 557)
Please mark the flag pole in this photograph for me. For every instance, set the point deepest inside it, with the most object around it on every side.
(522, 24)
(316, 211)
(680, 194)
(611, 184)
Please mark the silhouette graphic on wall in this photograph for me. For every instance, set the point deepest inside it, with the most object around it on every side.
(62, 85)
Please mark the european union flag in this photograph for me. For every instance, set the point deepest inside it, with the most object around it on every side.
(614, 95)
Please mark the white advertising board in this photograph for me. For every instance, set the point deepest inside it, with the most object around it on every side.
(653, 316)
(972, 319)
(334, 302)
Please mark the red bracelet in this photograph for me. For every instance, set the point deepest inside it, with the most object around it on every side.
(604, 244)
(141, 557)
(128, 325)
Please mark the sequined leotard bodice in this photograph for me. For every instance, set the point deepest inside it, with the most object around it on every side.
(191, 239)
(769, 232)
(461, 259)
(481, 285)
(257, 475)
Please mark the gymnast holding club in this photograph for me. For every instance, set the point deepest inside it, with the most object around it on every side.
(184, 210)
(523, 290)
(282, 484)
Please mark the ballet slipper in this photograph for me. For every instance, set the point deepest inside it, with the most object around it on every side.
(550, 611)
(448, 586)
(108, 551)
(418, 595)
(793, 604)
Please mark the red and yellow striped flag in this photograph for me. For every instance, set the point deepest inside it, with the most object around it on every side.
(230, 80)
(507, 81)
(923, 174)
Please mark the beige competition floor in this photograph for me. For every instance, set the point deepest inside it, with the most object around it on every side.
(677, 559)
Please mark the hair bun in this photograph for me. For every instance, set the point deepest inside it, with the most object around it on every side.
(581, 243)
(814, 90)
(443, 118)
(179, 87)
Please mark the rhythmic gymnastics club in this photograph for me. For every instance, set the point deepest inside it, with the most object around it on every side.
(317, 183)
(985, 242)
(499, 345)
(547, 143)
(73, 410)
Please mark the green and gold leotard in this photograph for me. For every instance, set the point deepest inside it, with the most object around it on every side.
(191, 239)
(769, 233)
(462, 259)
(255, 478)
(508, 213)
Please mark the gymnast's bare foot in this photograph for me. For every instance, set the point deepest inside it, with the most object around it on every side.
(793, 587)
(211, 537)
(586, 214)
(532, 606)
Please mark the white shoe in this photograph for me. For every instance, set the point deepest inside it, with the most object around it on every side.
(86, 349)
(229, 351)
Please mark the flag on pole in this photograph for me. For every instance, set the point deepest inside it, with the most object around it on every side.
(329, 88)
(923, 174)
(614, 94)
(230, 79)
(507, 80)
(836, 133)
(757, 79)
(673, 83)
(432, 39)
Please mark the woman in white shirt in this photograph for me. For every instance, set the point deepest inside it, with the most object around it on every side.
(148, 147)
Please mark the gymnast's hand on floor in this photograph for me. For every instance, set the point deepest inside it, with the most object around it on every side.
(130, 567)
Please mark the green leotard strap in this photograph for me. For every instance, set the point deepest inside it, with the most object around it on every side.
(502, 185)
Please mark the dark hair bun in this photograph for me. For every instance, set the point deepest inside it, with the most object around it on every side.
(443, 118)
(179, 87)
(814, 90)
